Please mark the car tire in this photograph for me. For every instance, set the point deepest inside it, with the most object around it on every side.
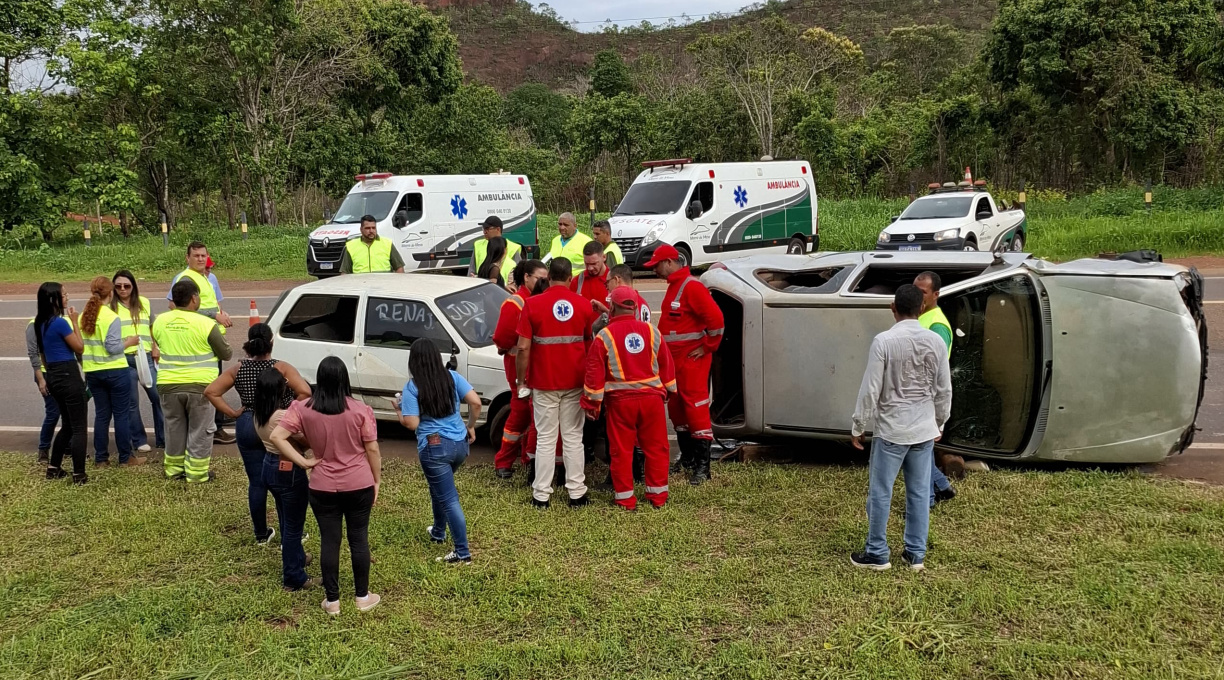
(796, 246)
(497, 425)
(686, 257)
(1017, 242)
(970, 245)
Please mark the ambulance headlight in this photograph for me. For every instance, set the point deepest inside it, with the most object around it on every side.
(885, 237)
(654, 233)
(947, 234)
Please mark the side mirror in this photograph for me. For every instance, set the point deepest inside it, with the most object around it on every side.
(694, 210)
(983, 216)
(894, 219)
(453, 364)
(615, 206)
(400, 219)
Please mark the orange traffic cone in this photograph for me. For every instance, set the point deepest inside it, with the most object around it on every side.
(254, 318)
(968, 175)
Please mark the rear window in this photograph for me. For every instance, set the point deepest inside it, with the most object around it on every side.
(654, 198)
(326, 318)
(938, 208)
(399, 323)
(473, 312)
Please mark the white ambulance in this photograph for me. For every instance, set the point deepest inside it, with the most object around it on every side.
(431, 219)
(715, 211)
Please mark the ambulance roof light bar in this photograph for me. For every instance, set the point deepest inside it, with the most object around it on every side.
(669, 163)
(373, 176)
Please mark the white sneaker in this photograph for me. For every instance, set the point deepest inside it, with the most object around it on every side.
(366, 603)
(145, 449)
(332, 608)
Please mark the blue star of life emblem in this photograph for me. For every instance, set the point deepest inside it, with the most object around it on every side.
(459, 206)
(635, 343)
(741, 196)
(562, 311)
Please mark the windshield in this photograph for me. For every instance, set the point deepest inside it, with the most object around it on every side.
(357, 205)
(473, 312)
(936, 208)
(654, 198)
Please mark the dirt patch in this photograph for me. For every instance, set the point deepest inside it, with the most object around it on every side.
(1207, 264)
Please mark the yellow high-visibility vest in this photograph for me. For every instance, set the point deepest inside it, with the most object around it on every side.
(615, 251)
(481, 248)
(186, 356)
(208, 297)
(375, 257)
(572, 250)
(933, 317)
(95, 357)
(139, 328)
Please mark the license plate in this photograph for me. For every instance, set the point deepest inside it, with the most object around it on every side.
(327, 265)
(910, 248)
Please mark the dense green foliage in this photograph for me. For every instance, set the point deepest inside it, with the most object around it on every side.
(205, 109)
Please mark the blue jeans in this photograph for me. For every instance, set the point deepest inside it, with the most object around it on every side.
(251, 448)
(887, 459)
(112, 396)
(939, 482)
(291, 492)
(439, 461)
(139, 438)
(50, 418)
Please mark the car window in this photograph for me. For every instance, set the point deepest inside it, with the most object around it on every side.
(356, 205)
(473, 312)
(939, 207)
(826, 280)
(326, 318)
(883, 279)
(413, 205)
(399, 323)
(654, 198)
(983, 208)
(704, 193)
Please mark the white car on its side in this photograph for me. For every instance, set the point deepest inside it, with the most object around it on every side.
(956, 217)
(370, 320)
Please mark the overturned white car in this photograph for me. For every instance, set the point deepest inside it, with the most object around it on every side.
(1089, 361)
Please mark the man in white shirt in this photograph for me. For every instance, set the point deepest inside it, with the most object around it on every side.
(905, 399)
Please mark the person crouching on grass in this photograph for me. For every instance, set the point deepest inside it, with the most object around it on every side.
(431, 408)
(905, 399)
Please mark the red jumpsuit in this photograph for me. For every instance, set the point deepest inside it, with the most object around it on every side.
(518, 434)
(690, 319)
(590, 287)
(629, 373)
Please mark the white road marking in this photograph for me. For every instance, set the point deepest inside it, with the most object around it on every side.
(1213, 302)
(25, 359)
(1208, 446)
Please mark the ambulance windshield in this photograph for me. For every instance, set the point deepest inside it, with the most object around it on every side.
(654, 198)
(359, 204)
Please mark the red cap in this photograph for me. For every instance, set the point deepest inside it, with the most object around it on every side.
(663, 253)
(210, 263)
(623, 297)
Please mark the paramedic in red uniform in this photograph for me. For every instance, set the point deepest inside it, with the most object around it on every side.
(692, 327)
(592, 282)
(554, 331)
(629, 373)
(518, 434)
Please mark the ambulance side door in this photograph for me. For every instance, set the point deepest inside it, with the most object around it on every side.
(703, 225)
(407, 227)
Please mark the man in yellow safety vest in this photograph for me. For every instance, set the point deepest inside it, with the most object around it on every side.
(371, 253)
(933, 319)
(569, 241)
(191, 346)
(492, 228)
(197, 272)
(601, 231)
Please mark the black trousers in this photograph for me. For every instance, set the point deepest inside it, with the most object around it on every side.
(332, 509)
(66, 386)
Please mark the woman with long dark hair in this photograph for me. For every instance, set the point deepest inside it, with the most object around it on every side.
(345, 476)
(242, 377)
(59, 343)
(135, 319)
(431, 407)
(106, 373)
(491, 268)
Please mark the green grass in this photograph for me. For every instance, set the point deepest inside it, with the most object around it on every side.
(1182, 223)
(1079, 574)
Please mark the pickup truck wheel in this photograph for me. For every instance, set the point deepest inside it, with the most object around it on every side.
(796, 247)
(971, 245)
(1017, 242)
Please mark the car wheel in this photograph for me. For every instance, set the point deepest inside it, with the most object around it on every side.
(497, 425)
(971, 245)
(1017, 242)
(686, 257)
(796, 247)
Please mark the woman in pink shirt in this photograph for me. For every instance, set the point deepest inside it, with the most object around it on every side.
(344, 475)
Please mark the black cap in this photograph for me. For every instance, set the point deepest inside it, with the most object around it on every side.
(491, 221)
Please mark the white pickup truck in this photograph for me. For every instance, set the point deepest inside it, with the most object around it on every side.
(957, 217)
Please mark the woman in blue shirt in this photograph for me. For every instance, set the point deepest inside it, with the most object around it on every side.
(431, 407)
(59, 343)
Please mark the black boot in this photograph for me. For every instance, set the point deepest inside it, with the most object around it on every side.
(701, 463)
(685, 461)
(639, 466)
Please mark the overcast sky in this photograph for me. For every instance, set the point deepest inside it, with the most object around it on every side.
(631, 12)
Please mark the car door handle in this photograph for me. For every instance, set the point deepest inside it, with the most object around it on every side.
(713, 224)
(424, 232)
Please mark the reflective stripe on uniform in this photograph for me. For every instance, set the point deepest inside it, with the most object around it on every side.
(656, 489)
(96, 357)
(716, 331)
(635, 384)
(623, 495)
(556, 339)
(614, 362)
(703, 402)
(508, 436)
(680, 292)
(676, 337)
(593, 395)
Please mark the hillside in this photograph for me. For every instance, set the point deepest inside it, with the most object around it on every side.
(504, 43)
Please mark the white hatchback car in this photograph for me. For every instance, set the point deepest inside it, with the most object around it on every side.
(370, 321)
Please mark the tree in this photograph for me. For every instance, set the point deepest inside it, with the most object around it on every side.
(540, 112)
(764, 61)
(922, 57)
(615, 125)
(29, 29)
(609, 75)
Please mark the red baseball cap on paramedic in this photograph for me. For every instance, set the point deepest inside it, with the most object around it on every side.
(209, 264)
(661, 254)
(624, 297)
